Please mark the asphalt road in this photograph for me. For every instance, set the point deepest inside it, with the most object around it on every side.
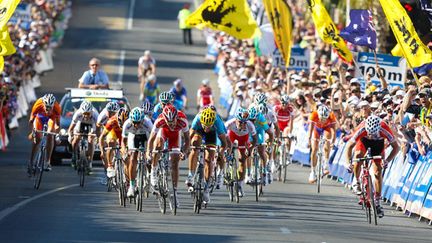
(63, 212)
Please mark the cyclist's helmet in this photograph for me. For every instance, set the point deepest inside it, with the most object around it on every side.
(48, 100)
(169, 113)
(122, 116)
(208, 117)
(253, 113)
(136, 115)
(86, 106)
(323, 112)
(263, 109)
(166, 97)
(373, 125)
(285, 99)
(242, 114)
(260, 98)
(112, 106)
(147, 107)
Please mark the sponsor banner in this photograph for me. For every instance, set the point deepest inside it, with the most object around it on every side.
(393, 68)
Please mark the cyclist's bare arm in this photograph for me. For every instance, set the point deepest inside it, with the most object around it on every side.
(150, 143)
(395, 150)
(186, 143)
(350, 147)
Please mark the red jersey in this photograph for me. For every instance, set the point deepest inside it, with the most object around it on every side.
(181, 125)
(205, 93)
(284, 114)
(385, 132)
(112, 125)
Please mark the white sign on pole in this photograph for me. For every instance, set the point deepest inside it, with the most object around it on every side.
(300, 59)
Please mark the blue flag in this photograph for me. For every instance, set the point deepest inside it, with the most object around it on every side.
(360, 31)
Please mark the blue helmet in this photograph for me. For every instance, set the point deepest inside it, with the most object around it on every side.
(136, 115)
(253, 113)
(242, 114)
(147, 107)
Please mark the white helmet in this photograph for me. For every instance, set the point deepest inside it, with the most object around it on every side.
(48, 100)
(323, 112)
(373, 125)
(112, 106)
(86, 106)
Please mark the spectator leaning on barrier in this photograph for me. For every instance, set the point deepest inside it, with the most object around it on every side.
(95, 78)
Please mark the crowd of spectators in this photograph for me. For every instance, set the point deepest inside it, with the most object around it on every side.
(352, 98)
(40, 31)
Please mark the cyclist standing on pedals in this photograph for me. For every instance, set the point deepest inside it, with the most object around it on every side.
(135, 134)
(46, 110)
(83, 120)
(261, 104)
(261, 127)
(240, 129)
(146, 67)
(168, 128)
(180, 95)
(165, 98)
(204, 95)
(321, 122)
(285, 117)
(112, 136)
(206, 128)
(108, 112)
(371, 133)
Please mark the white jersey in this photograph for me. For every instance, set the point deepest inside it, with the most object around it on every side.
(144, 127)
(78, 119)
(271, 116)
(103, 117)
(232, 126)
(146, 63)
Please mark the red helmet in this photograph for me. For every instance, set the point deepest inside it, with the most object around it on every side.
(169, 113)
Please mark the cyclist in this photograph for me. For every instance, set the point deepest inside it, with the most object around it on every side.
(146, 67)
(168, 128)
(261, 127)
(321, 122)
(206, 127)
(46, 110)
(285, 117)
(204, 95)
(151, 90)
(83, 121)
(165, 98)
(240, 128)
(180, 95)
(371, 133)
(135, 134)
(109, 111)
(111, 136)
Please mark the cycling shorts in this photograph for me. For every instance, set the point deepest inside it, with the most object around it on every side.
(317, 132)
(282, 125)
(173, 137)
(137, 140)
(242, 140)
(41, 120)
(111, 137)
(209, 138)
(376, 146)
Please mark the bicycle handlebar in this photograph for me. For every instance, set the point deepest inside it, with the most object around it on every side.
(85, 134)
(368, 158)
(203, 147)
(167, 150)
(45, 132)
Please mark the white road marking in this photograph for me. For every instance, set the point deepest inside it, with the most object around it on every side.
(271, 214)
(285, 230)
(121, 67)
(130, 16)
(156, 30)
(5, 212)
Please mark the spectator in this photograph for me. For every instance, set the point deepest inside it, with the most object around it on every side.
(95, 78)
(182, 16)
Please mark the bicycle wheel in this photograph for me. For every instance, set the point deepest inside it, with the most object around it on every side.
(38, 170)
(281, 163)
(174, 201)
(161, 196)
(256, 178)
(198, 190)
(140, 184)
(319, 173)
(364, 202)
(285, 165)
(83, 164)
(236, 182)
(372, 199)
(120, 183)
(229, 182)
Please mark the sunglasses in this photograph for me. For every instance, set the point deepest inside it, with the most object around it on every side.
(422, 95)
(94, 65)
(48, 108)
(242, 122)
(86, 114)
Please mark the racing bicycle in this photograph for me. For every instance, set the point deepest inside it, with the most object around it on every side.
(285, 157)
(83, 161)
(38, 166)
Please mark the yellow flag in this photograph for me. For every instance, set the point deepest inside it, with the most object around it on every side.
(412, 47)
(7, 8)
(1, 63)
(279, 14)
(397, 51)
(6, 46)
(327, 29)
(231, 16)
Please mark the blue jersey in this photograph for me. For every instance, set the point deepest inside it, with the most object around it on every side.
(261, 124)
(157, 110)
(219, 125)
(178, 94)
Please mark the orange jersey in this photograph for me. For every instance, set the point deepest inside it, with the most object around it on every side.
(329, 122)
(39, 110)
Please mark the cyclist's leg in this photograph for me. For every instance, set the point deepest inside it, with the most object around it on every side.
(36, 139)
(175, 159)
(314, 149)
(286, 132)
(209, 155)
(377, 148)
(50, 141)
(174, 141)
(359, 152)
(327, 136)
(193, 156)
